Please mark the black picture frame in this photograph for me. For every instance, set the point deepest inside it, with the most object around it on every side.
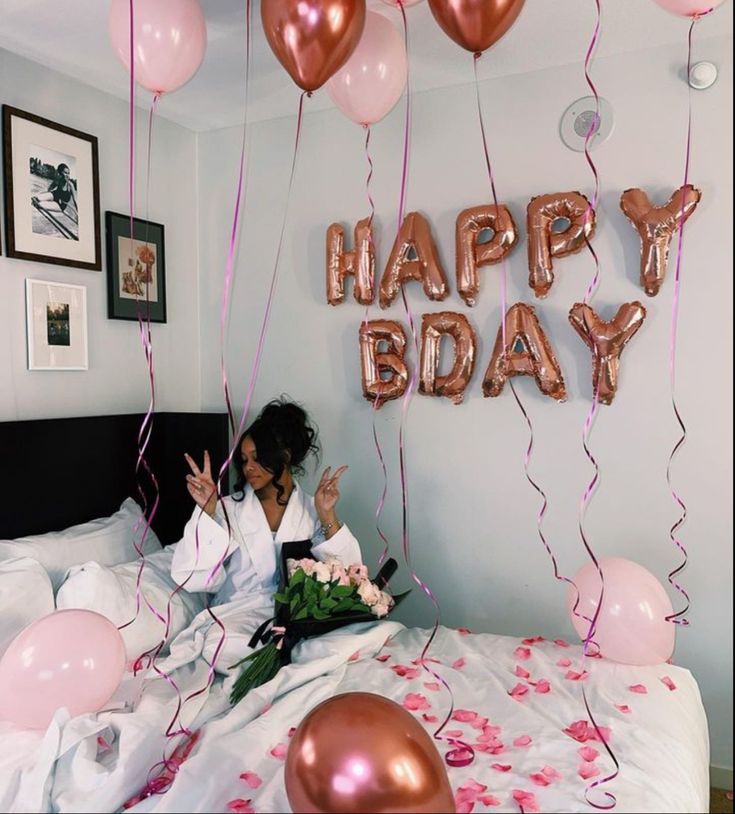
(127, 268)
(52, 215)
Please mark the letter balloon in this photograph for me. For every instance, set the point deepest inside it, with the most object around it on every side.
(358, 752)
(170, 38)
(384, 372)
(433, 328)
(312, 39)
(656, 225)
(359, 262)
(606, 340)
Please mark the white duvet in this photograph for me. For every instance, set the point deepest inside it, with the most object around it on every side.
(529, 692)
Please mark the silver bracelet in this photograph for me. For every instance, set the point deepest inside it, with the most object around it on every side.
(326, 528)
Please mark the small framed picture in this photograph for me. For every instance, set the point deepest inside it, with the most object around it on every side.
(136, 269)
(56, 325)
(52, 197)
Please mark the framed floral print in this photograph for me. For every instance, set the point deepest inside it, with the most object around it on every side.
(56, 325)
(52, 198)
(136, 268)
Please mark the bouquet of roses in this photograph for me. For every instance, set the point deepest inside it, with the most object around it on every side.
(314, 597)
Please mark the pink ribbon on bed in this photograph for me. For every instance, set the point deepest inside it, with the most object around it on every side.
(672, 363)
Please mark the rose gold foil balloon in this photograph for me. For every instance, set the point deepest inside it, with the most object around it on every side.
(312, 39)
(382, 348)
(606, 340)
(526, 352)
(542, 215)
(358, 753)
(471, 254)
(413, 257)
(656, 225)
(433, 328)
(475, 24)
(359, 262)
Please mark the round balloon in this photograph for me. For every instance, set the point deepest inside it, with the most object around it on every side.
(372, 80)
(70, 658)
(360, 752)
(475, 24)
(632, 626)
(170, 38)
(689, 8)
(312, 39)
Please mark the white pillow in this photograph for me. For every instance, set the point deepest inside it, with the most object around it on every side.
(25, 595)
(112, 592)
(107, 540)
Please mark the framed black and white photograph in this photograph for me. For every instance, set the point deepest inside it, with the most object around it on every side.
(52, 209)
(136, 268)
(56, 326)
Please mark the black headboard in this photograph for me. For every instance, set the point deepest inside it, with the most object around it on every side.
(58, 472)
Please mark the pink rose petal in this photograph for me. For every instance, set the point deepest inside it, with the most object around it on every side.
(551, 773)
(464, 631)
(479, 723)
(355, 656)
(623, 708)
(279, 751)
(526, 800)
(523, 740)
(383, 658)
(540, 779)
(564, 663)
(639, 688)
(572, 675)
(406, 672)
(489, 800)
(521, 672)
(458, 664)
(430, 719)
(251, 779)
(464, 806)
(464, 715)
(240, 806)
(533, 640)
(561, 643)
(501, 767)
(434, 686)
(103, 744)
(522, 653)
(415, 701)
(518, 692)
(583, 731)
(454, 733)
(587, 770)
(668, 683)
(542, 686)
(588, 753)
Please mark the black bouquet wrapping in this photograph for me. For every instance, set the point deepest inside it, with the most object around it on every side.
(306, 606)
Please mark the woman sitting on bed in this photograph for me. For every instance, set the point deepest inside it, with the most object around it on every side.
(267, 509)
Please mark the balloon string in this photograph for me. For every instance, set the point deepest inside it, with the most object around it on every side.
(672, 363)
(588, 424)
(504, 311)
(461, 754)
(376, 401)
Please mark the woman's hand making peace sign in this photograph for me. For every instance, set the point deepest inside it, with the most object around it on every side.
(326, 497)
(200, 484)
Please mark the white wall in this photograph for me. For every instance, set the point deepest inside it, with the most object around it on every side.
(473, 516)
(117, 379)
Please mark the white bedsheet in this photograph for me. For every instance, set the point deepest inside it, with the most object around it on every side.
(97, 762)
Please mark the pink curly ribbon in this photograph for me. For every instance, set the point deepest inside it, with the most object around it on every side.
(586, 497)
(672, 366)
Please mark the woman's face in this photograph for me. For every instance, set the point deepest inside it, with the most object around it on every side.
(65, 174)
(255, 474)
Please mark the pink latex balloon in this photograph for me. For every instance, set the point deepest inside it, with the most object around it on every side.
(170, 40)
(70, 658)
(689, 8)
(632, 626)
(372, 80)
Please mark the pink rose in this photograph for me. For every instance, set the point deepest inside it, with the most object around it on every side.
(358, 573)
(340, 574)
(380, 609)
(369, 593)
(307, 566)
(322, 572)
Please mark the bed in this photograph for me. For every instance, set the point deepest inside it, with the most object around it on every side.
(518, 702)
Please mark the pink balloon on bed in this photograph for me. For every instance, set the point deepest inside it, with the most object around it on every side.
(170, 40)
(632, 626)
(70, 658)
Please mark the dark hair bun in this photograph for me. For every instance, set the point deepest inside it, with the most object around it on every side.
(291, 428)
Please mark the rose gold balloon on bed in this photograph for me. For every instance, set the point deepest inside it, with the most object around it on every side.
(312, 39)
(475, 24)
(656, 225)
(359, 752)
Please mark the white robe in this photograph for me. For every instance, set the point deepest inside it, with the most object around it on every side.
(245, 583)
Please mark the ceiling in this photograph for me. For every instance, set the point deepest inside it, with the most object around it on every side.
(71, 37)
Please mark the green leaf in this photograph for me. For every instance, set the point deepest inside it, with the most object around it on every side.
(343, 605)
(297, 578)
(301, 614)
(320, 614)
(358, 606)
(342, 591)
(281, 598)
(294, 603)
(328, 603)
(310, 588)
